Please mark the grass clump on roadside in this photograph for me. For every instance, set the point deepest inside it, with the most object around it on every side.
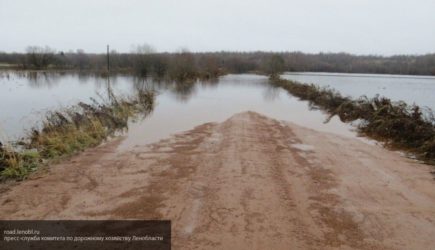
(17, 165)
(398, 124)
(72, 130)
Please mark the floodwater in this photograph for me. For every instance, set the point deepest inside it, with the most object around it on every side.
(178, 111)
(411, 89)
(25, 98)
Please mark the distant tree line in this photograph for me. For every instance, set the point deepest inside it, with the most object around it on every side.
(144, 60)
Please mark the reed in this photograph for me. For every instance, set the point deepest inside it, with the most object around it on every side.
(397, 124)
(65, 132)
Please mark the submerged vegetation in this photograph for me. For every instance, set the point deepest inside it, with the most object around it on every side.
(72, 130)
(397, 124)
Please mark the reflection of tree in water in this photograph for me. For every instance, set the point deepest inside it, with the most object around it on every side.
(211, 83)
(145, 83)
(271, 93)
(43, 79)
(183, 91)
(5, 74)
(51, 79)
(84, 77)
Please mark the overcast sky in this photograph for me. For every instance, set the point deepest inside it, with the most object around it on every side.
(356, 26)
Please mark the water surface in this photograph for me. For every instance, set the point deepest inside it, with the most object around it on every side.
(178, 111)
(24, 99)
(411, 89)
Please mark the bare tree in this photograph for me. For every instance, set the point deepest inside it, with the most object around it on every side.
(275, 65)
(82, 59)
(142, 60)
(182, 67)
(209, 66)
(143, 49)
(40, 57)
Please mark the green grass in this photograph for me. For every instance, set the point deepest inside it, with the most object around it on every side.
(17, 165)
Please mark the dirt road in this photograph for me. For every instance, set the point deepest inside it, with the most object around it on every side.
(247, 183)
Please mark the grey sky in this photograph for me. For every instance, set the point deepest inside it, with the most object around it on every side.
(356, 26)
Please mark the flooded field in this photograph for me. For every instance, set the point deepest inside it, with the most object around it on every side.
(26, 97)
(174, 164)
(411, 89)
(178, 107)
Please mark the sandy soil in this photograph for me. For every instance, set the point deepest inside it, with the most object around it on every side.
(247, 183)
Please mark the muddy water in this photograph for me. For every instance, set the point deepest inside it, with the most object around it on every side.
(25, 98)
(179, 109)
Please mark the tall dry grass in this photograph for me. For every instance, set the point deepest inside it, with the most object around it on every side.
(73, 129)
(398, 124)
